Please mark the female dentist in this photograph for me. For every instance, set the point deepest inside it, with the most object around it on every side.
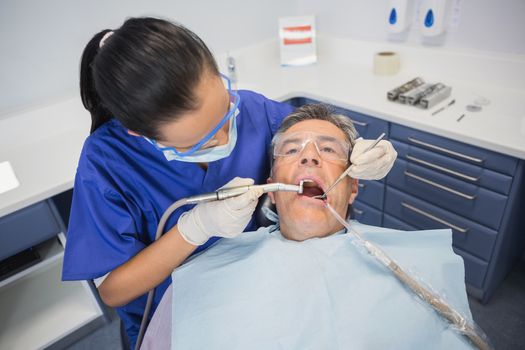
(164, 127)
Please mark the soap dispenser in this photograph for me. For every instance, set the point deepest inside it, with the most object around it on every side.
(434, 17)
(400, 14)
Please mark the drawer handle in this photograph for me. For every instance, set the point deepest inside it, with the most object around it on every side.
(358, 123)
(457, 154)
(435, 218)
(361, 185)
(358, 212)
(435, 184)
(447, 170)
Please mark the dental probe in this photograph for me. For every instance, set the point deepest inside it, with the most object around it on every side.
(345, 173)
(220, 194)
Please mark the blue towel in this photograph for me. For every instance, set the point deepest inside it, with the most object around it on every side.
(261, 291)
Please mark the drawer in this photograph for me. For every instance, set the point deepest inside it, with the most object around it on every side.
(471, 201)
(475, 269)
(467, 153)
(366, 214)
(466, 235)
(367, 127)
(371, 193)
(26, 228)
(392, 222)
(450, 166)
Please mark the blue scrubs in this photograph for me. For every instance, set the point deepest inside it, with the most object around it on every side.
(123, 185)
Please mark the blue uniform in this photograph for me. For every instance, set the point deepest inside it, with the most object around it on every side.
(123, 185)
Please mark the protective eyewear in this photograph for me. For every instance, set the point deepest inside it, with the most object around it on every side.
(235, 100)
(290, 146)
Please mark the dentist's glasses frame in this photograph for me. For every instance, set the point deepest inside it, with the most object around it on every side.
(290, 146)
(211, 134)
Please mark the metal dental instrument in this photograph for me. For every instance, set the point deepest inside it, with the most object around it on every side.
(345, 173)
(220, 194)
(229, 192)
(443, 108)
(458, 321)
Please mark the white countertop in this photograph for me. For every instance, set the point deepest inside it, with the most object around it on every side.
(43, 144)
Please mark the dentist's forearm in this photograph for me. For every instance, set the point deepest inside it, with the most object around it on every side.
(145, 270)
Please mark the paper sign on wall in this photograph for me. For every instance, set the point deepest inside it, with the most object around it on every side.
(297, 40)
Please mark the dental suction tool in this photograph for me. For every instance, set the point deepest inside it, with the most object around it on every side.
(220, 194)
(345, 173)
(459, 322)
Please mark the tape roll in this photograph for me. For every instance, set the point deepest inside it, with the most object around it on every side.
(386, 63)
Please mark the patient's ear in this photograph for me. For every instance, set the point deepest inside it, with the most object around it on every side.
(354, 186)
(270, 194)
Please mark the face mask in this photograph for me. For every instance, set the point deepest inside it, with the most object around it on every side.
(213, 153)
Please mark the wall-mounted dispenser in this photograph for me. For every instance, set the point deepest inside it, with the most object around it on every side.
(434, 17)
(400, 13)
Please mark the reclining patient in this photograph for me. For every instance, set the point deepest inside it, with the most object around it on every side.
(302, 283)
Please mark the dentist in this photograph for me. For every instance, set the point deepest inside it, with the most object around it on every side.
(166, 125)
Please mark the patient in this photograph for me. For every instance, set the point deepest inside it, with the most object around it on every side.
(302, 284)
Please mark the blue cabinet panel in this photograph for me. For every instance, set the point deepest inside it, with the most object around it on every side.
(462, 170)
(367, 127)
(366, 215)
(392, 222)
(26, 228)
(467, 235)
(372, 193)
(473, 202)
(475, 269)
(468, 153)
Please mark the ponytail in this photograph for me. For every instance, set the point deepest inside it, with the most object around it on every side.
(145, 74)
(88, 92)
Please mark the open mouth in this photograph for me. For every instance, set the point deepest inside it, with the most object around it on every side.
(311, 188)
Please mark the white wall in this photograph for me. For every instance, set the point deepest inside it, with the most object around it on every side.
(41, 41)
(487, 25)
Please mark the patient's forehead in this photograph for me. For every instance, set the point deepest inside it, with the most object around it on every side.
(319, 126)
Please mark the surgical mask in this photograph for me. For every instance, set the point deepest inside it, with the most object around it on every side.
(213, 153)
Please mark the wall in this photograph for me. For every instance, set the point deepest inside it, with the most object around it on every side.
(487, 25)
(41, 41)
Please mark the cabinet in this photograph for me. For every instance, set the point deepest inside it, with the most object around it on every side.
(43, 311)
(438, 182)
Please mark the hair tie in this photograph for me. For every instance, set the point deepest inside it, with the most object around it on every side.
(104, 38)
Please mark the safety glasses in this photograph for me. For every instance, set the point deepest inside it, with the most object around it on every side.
(289, 146)
(235, 100)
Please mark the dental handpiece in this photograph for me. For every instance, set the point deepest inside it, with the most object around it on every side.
(224, 193)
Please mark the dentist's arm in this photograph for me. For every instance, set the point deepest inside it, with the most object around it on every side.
(146, 270)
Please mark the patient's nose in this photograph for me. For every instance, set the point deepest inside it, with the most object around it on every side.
(310, 156)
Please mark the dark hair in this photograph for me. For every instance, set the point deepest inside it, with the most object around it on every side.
(144, 74)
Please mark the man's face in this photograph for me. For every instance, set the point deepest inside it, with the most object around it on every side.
(301, 216)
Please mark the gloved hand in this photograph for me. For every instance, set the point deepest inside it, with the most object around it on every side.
(374, 164)
(224, 218)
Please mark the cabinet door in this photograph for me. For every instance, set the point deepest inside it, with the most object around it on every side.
(366, 215)
(464, 171)
(467, 235)
(462, 151)
(26, 228)
(470, 201)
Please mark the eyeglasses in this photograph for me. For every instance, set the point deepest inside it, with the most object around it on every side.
(236, 99)
(291, 145)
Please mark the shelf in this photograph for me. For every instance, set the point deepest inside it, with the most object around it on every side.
(38, 309)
